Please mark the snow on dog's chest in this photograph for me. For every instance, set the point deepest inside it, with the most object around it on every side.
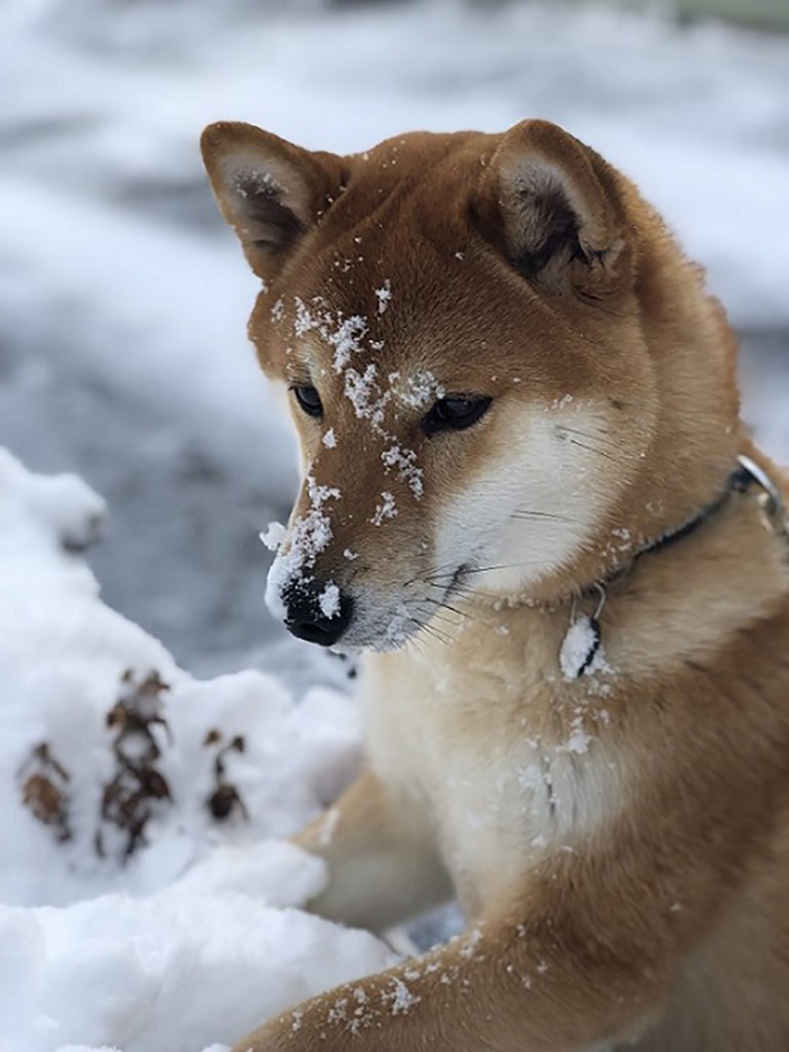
(504, 801)
(506, 780)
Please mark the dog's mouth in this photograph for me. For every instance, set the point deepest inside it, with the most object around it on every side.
(458, 579)
(410, 617)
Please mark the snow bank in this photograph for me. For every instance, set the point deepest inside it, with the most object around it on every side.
(142, 906)
(175, 971)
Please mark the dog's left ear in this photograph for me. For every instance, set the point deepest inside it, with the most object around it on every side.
(270, 191)
(555, 210)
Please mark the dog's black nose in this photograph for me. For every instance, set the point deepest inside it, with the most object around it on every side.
(319, 613)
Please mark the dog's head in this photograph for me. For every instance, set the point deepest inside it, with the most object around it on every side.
(454, 320)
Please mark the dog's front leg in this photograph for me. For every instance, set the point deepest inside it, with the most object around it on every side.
(383, 866)
(500, 987)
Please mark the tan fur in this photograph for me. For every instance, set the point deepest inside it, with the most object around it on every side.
(620, 841)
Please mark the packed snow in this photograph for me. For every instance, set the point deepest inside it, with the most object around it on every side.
(329, 601)
(310, 534)
(145, 902)
(273, 536)
(123, 301)
(579, 648)
(383, 295)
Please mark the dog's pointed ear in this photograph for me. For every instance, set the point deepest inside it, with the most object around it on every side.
(554, 208)
(269, 191)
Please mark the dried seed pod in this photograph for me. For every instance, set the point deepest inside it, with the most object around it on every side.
(226, 799)
(130, 798)
(44, 783)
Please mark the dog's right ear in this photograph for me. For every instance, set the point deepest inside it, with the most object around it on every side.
(270, 191)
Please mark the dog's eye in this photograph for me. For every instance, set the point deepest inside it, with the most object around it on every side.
(453, 414)
(309, 399)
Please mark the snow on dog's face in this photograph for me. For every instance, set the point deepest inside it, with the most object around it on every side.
(452, 319)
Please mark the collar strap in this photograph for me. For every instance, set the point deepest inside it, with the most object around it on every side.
(582, 648)
(740, 480)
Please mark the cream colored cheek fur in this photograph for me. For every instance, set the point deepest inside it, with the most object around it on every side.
(529, 512)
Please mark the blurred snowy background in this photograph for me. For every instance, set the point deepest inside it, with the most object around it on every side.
(123, 358)
(123, 298)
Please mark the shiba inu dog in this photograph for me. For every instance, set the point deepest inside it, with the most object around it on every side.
(529, 498)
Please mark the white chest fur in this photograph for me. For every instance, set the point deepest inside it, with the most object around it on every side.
(507, 762)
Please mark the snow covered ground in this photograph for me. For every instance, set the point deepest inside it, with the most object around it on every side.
(143, 906)
(123, 302)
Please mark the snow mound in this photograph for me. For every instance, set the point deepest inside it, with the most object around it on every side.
(172, 972)
(142, 904)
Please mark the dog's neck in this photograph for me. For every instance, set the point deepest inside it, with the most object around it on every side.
(594, 573)
(690, 589)
(747, 476)
(670, 606)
